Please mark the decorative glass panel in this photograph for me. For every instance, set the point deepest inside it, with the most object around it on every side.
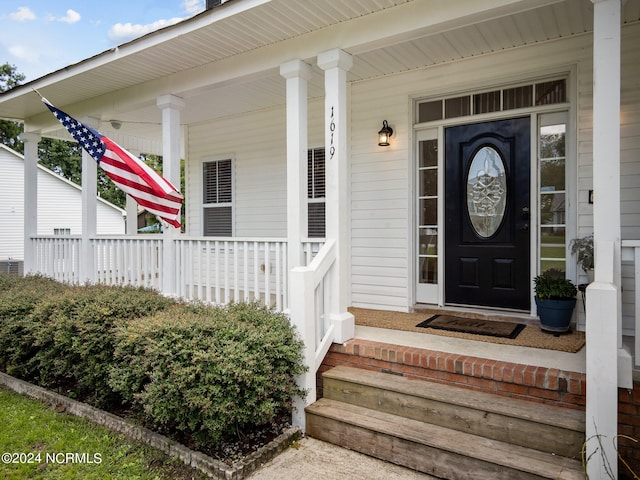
(429, 211)
(428, 153)
(429, 182)
(430, 111)
(486, 102)
(519, 97)
(429, 241)
(428, 270)
(552, 208)
(486, 192)
(552, 248)
(548, 93)
(457, 107)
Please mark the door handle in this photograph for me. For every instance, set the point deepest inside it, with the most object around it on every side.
(525, 227)
(525, 214)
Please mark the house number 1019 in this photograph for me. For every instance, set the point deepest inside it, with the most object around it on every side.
(332, 128)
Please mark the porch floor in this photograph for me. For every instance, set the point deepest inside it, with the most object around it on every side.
(537, 357)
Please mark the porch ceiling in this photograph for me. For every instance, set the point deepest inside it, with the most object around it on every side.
(248, 27)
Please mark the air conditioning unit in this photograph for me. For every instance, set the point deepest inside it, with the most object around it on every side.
(12, 267)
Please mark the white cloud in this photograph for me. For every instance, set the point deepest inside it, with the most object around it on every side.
(122, 32)
(23, 13)
(71, 17)
(193, 7)
(22, 52)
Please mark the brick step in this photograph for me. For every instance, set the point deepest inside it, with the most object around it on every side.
(552, 386)
(432, 449)
(547, 428)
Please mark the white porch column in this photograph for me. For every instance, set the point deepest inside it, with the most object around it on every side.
(603, 323)
(171, 143)
(89, 212)
(132, 216)
(132, 209)
(336, 63)
(30, 197)
(297, 74)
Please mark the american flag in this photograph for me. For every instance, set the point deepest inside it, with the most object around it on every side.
(152, 191)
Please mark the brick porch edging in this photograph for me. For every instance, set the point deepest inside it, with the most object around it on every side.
(209, 466)
(539, 384)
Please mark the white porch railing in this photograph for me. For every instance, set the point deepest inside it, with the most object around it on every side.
(215, 270)
(224, 270)
(310, 310)
(133, 261)
(630, 254)
(57, 257)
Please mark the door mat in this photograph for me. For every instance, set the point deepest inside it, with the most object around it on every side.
(531, 336)
(474, 326)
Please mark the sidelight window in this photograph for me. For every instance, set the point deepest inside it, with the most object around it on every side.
(552, 196)
(428, 212)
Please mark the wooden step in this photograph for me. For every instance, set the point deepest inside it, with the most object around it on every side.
(542, 427)
(432, 449)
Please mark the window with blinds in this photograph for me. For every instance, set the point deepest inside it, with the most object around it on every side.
(217, 190)
(315, 193)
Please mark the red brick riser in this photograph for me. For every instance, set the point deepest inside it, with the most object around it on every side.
(537, 384)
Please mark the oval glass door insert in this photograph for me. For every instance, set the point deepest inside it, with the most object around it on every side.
(486, 191)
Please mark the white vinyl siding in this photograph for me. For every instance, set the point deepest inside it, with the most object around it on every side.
(59, 206)
(257, 141)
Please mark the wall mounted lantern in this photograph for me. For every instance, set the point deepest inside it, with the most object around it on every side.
(384, 134)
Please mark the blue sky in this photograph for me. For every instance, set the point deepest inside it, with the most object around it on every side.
(41, 36)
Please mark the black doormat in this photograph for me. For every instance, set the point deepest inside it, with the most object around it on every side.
(473, 325)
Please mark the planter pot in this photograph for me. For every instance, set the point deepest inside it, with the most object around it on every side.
(590, 275)
(555, 315)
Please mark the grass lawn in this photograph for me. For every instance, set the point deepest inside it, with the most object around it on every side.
(59, 446)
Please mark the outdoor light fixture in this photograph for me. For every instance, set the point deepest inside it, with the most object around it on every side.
(115, 124)
(384, 134)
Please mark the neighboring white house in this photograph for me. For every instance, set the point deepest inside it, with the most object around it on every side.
(59, 206)
(516, 128)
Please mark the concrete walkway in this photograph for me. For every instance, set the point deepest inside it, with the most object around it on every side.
(312, 459)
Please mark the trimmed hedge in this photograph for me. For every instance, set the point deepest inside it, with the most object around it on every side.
(207, 372)
(19, 296)
(195, 370)
(74, 338)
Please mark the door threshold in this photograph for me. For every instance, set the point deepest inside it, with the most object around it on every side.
(480, 312)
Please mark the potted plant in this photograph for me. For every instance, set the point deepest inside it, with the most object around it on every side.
(582, 248)
(555, 298)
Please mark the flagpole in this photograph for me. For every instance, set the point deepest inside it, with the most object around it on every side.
(41, 96)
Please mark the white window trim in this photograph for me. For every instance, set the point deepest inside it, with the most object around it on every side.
(232, 204)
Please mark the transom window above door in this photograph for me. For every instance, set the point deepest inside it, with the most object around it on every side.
(549, 92)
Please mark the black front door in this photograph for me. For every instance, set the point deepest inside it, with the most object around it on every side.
(487, 196)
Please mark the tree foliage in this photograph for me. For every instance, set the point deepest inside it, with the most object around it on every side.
(9, 129)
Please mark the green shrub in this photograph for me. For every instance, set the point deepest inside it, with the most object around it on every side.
(74, 337)
(19, 296)
(208, 372)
